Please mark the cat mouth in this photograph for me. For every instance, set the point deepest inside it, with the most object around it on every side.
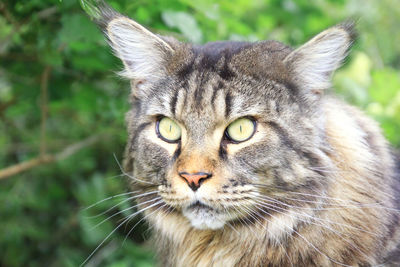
(198, 206)
(203, 216)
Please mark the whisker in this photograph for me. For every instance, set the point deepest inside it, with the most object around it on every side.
(108, 198)
(242, 221)
(309, 243)
(141, 221)
(113, 231)
(115, 176)
(269, 231)
(316, 218)
(168, 211)
(319, 251)
(249, 213)
(336, 206)
(230, 225)
(115, 214)
(131, 177)
(319, 224)
(315, 195)
(123, 201)
(319, 219)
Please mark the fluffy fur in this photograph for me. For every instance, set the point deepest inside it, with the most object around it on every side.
(315, 186)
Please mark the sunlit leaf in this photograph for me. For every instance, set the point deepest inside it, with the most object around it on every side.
(185, 22)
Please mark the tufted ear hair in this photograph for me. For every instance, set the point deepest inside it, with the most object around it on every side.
(313, 64)
(143, 53)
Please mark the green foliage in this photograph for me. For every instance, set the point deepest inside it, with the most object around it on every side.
(42, 218)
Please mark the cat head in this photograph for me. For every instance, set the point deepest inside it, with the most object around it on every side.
(221, 129)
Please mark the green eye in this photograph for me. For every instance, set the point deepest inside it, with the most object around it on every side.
(241, 130)
(168, 130)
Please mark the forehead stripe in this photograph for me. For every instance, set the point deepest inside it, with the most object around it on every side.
(214, 94)
(174, 101)
(228, 104)
(198, 93)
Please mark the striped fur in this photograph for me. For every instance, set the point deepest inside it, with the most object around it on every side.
(315, 186)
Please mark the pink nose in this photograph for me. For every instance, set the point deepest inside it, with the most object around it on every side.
(194, 180)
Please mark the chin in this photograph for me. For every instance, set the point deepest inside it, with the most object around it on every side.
(204, 217)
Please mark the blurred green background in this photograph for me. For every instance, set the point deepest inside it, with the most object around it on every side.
(62, 109)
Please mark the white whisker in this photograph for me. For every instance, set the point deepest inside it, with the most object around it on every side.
(115, 214)
(123, 201)
(141, 221)
(314, 217)
(309, 243)
(108, 198)
(269, 231)
(113, 231)
(317, 224)
(131, 177)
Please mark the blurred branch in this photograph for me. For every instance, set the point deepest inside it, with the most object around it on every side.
(19, 57)
(48, 158)
(48, 12)
(44, 84)
(44, 157)
(4, 106)
(4, 10)
(44, 98)
(7, 14)
(10, 19)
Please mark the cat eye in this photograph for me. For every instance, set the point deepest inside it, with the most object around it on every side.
(241, 130)
(168, 130)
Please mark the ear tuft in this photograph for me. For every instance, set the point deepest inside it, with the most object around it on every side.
(99, 11)
(313, 64)
(143, 53)
(349, 26)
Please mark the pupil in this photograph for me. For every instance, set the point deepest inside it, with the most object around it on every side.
(240, 128)
(170, 126)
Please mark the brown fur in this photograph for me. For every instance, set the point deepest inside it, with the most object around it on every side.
(315, 185)
(181, 245)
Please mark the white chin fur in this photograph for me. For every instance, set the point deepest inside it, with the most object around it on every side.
(204, 219)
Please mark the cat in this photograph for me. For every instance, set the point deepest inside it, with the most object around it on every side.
(242, 157)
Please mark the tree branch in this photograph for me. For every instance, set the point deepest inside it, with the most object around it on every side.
(6, 105)
(44, 84)
(47, 158)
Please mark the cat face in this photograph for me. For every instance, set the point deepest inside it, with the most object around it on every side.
(217, 130)
(205, 172)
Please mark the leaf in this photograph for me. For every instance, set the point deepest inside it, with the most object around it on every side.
(186, 24)
(353, 80)
(385, 85)
(77, 28)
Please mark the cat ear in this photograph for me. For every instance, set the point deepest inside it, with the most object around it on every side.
(143, 53)
(313, 64)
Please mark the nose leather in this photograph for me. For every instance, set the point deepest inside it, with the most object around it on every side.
(194, 180)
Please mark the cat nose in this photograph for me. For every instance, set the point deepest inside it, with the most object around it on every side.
(194, 180)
